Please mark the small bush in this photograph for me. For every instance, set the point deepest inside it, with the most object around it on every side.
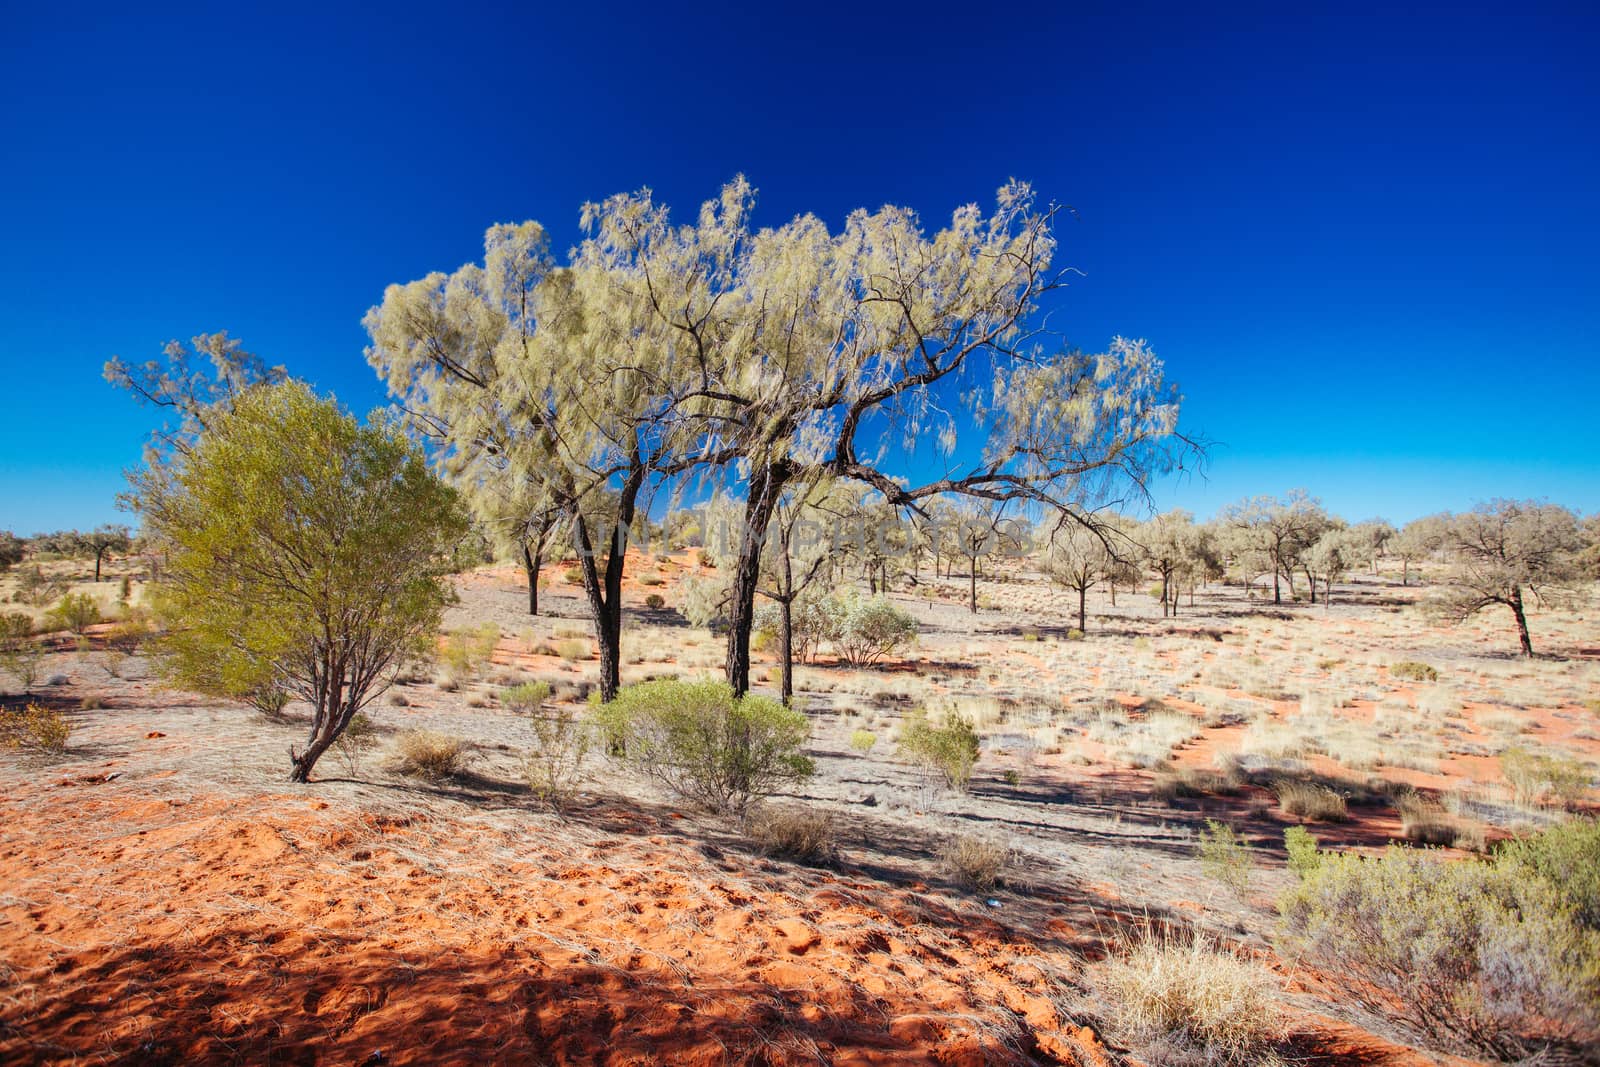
(871, 630)
(1425, 821)
(525, 699)
(1074, 634)
(705, 746)
(1412, 671)
(360, 736)
(431, 755)
(1187, 1000)
(1224, 857)
(1567, 855)
(572, 649)
(652, 580)
(1532, 777)
(655, 601)
(951, 749)
(863, 740)
(793, 832)
(976, 860)
(1481, 958)
(35, 729)
(20, 656)
(76, 612)
(1302, 847)
(1309, 800)
(561, 743)
(92, 702)
(573, 575)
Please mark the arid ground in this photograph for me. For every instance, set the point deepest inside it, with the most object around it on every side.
(166, 896)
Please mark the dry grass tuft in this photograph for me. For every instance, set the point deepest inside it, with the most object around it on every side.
(792, 831)
(1310, 800)
(429, 754)
(979, 861)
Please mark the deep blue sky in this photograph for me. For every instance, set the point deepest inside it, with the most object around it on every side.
(1366, 246)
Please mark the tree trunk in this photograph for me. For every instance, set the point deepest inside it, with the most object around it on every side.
(531, 562)
(1522, 620)
(766, 484)
(604, 591)
(786, 648)
(1165, 575)
(1405, 572)
(1113, 593)
(1083, 593)
(99, 555)
(1277, 593)
(1312, 582)
(972, 587)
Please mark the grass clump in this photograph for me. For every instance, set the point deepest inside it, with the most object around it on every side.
(572, 649)
(704, 745)
(561, 743)
(431, 755)
(1310, 800)
(1186, 999)
(949, 749)
(525, 699)
(655, 601)
(978, 861)
(1485, 958)
(1534, 776)
(862, 741)
(1224, 857)
(35, 729)
(1412, 671)
(793, 832)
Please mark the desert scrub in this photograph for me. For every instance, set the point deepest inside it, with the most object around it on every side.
(35, 729)
(949, 749)
(525, 699)
(360, 736)
(76, 612)
(702, 744)
(1224, 857)
(976, 860)
(1534, 776)
(1302, 848)
(1412, 671)
(1481, 957)
(862, 741)
(429, 754)
(655, 601)
(1186, 1000)
(572, 649)
(868, 631)
(792, 831)
(1566, 855)
(561, 742)
(1310, 800)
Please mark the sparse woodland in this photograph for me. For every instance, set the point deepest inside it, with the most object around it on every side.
(690, 713)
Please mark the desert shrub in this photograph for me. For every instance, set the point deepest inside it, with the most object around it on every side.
(1310, 800)
(1566, 855)
(561, 743)
(1187, 1000)
(269, 701)
(573, 575)
(34, 587)
(20, 656)
(950, 749)
(572, 649)
(792, 831)
(651, 580)
(76, 612)
(1481, 958)
(360, 736)
(1074, 634)
(35, 729)
(465, 653)
(704, 745)
(1425, 821)
(863, 740)
(1533, 776)
(655, 601)
(870, 630)
(92, 702)
(429, 754)
(1224, 857)
(976, 860)
(1412, 671)
(1302, 848)
(525, 699)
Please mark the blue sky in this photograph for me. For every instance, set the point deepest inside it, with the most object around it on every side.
(1365, 245)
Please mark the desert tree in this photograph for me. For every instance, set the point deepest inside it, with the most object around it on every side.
(1505, 553)
(305, 554)
(1589, 557)
(1418, 540)
(1337, 552)
(179, 385)
(1079, 556)
(808, 350)
(13, 550)
(100, 542)
(1374, 537)
(1270, 533)
(1167, 547)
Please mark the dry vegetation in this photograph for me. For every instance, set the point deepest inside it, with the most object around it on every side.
(1019, 844)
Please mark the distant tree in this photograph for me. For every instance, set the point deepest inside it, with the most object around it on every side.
(1505, 552)
(1373, 537)
(1168, 548)
(1336, 553)
(12, 550)
(305, 553)
(102, 541)
(1589, 558)
(176, 383)
(1419, 540)
(1275, 532)
(1078, 557)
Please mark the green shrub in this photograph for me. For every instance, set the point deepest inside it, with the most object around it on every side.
(360, 736)
(863, 740)
(35, 729)
(1480, 958)
(1302, 847)
(1533, 776)
(1074, 634)
(1191, 1001)
(76, 612)
(431, 755)
(572, 649)
(525, 699)
(870, 630)
(573, 575)
(561, 743)
(1412, 671)
(1567, 855)
(655, 601)
(20, 656)
(705, 746)
(792, 831)
(951, 749)
(1224, 857)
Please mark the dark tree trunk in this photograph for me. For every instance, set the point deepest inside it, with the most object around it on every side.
(1312, 582)
(99, 555)
(1083, 594)
(972, 587)
(1405, 572)
(1277, 593)
(1113, 593)
(766, 484)
(786, 648)
(1165, 579)
(604, 589)
(531, 562)
(1522, 620)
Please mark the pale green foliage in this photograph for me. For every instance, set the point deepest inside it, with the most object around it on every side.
(360, 736)
(20, 655)
(76, 612)
(1480, 956)
(704, 745)
(525, 699)
(35, 729)
(949, 748)
(561, 742)
(175, 383)
(1302, 848)
(1533, 775)
(868, 630)
(862, 741)
(304, 553)
(1224, 857)
(1568, 856)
